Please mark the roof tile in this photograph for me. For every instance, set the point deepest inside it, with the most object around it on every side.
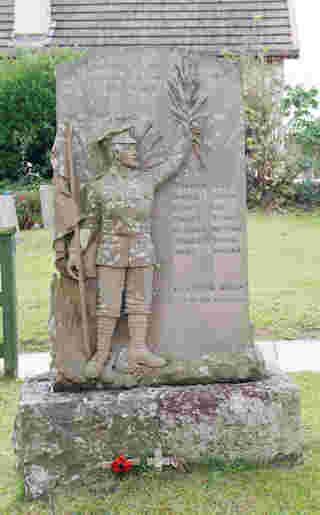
(6, 22)
(207, 24)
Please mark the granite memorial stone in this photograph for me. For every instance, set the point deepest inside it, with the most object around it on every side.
(200, 280)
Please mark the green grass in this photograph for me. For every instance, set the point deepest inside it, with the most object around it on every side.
(266, 490)
(34, 271)
(284, 275)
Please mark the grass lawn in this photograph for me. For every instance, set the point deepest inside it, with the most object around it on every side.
(34, 271)
(284, 279)
(284, 276)
(267, 490)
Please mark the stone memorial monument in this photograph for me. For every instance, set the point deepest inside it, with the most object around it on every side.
(151, 248)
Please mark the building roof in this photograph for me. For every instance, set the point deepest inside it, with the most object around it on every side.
(212, 25)
(215, 25)
(6, 22)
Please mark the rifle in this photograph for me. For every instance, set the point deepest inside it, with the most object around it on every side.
(75, 193)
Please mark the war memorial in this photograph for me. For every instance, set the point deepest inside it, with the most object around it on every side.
(151, 339)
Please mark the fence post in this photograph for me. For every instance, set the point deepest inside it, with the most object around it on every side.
(8, 298)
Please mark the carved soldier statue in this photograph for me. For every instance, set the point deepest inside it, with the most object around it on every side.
(118, 211)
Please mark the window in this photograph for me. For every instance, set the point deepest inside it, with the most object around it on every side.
(32, 16)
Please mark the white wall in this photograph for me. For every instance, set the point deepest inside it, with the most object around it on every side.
(32, 16)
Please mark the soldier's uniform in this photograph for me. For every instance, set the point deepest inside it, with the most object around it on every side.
(119, 207)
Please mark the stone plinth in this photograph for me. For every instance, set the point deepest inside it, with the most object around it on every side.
(60, 437)
(211, 368)
(8, 215)
(47, 205)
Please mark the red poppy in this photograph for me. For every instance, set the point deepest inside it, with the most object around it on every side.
(21, 198)
(121, 464)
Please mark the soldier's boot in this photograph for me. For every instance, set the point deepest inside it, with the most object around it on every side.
(105, 328)
(138, 353)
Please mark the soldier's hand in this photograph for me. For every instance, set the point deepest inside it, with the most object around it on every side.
(128, 159)
(195, 132)
(73, 266)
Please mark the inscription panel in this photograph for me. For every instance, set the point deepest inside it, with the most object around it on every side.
(201, 292)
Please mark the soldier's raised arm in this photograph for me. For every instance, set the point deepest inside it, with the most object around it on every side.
(178, 159)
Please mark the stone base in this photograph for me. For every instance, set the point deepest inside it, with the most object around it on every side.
(60, 437)
(215, 367)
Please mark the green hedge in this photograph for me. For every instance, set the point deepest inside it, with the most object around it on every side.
(28, 112)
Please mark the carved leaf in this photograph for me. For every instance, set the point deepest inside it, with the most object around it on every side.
(184, 94)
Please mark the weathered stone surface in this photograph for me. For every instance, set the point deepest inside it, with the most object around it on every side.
(62, 436)
(38, 481)
(47, 205)
(8, 215)
(211, 368)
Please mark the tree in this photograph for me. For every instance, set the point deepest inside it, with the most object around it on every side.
(28, 112)
(271, 169)
(299, 105)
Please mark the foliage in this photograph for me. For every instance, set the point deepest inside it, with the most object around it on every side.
(26, 183)
(298, 103)
(271, 168)
(275, 190)
(308, 193)
(6, 186)
(28, 112)
(299, 106)
(28, 208)
(20, 493)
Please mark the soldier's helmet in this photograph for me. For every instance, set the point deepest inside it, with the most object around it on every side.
(123, 142)
(118, 140)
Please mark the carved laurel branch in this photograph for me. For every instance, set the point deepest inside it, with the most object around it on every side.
(186, 107)
(184, 93)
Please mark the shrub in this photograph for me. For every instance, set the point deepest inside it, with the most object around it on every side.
(25, 184)
(5, 185)
(275, 191)
(28, 112)
(271, 166)
(28, 207)
(307, 193)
